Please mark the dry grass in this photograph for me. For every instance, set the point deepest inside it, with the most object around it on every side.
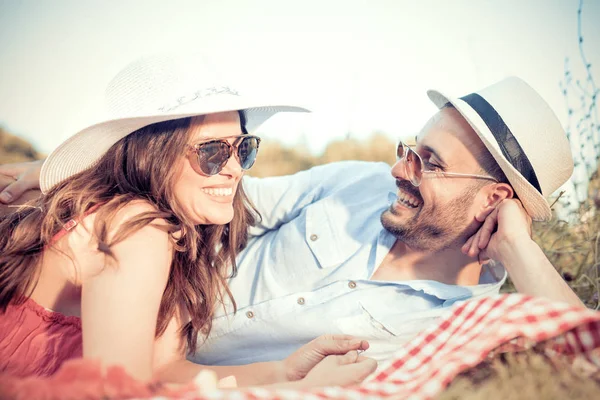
(574, 249)
(15, 149)
(276, 159)
(525, 375)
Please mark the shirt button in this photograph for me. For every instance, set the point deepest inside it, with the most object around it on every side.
(313, 237)
(351, 284)
(249, 314)
(301, 300)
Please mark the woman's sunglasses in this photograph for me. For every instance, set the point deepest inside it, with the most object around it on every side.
(213, 155)
(413, 165)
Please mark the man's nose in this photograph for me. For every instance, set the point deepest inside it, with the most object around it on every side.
(399, 169)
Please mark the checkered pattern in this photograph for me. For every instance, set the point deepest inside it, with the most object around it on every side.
(466, 336)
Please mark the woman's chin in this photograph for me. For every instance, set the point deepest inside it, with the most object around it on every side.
(210, 216)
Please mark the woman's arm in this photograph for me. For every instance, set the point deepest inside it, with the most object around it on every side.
(334, 370)
(121, 297)
(172, 367)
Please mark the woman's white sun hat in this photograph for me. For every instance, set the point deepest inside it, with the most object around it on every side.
(523, 135)
(149, 90)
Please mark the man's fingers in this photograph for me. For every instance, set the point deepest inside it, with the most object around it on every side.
(12, 192)
(338, 344)
(487, 229)
(483, 257)
(27, 176)
(12, 170)
(362, 369)
(363, 345)
(467, 245)
(474, 249)
(485, 214)
(348, 342)
(348, 358)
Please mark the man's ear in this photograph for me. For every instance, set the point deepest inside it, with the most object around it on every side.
(492, 197)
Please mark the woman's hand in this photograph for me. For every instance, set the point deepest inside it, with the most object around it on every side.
(25, 176)
(288, 373)
(346, 370)
(207, 380)
(299, 363)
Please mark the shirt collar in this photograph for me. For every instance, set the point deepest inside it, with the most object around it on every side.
(493, 276)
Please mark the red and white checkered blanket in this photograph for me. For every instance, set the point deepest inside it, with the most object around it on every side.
(468, 334)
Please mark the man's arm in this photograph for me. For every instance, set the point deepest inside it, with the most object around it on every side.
(533, 274)
(19, 178)
(6, 182)
(511, 244)
(281, 199)
(278, 199)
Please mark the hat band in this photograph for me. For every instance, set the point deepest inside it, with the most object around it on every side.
(511, 149)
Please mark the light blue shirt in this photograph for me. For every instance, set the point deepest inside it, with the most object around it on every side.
(306, 270)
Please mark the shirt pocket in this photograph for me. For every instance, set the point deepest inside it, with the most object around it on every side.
(329, 233)
(362, 324)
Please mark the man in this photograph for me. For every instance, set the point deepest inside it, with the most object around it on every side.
(335, 254)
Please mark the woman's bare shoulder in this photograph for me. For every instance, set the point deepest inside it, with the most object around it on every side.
(91, 255)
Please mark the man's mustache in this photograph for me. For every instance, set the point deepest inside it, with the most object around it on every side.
(409, 188)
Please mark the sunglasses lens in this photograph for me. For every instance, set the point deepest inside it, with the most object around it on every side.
(400, 151)
(247, 151)
(413, 167)
(212, 157)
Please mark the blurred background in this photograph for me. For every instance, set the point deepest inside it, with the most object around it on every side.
(363, 67)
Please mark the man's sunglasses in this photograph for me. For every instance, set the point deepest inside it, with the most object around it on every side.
(213, 155)
(413, 166)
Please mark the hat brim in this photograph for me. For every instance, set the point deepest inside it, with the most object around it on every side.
(534, 203)
(86, 147)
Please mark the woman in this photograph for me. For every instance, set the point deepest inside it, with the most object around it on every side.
(124, 258)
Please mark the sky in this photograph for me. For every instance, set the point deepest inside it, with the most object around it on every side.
(361, 66)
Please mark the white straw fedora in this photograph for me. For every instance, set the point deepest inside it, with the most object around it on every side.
(149, 90)
(523, 135)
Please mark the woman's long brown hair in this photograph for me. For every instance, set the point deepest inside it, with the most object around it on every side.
(138, 167)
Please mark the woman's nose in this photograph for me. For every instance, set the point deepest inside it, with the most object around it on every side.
(232, 168)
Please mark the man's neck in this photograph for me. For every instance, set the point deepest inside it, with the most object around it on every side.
(448, 266)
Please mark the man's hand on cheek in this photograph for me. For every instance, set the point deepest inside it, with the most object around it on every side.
(504, 226)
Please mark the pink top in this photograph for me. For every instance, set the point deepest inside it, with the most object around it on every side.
(37, 341)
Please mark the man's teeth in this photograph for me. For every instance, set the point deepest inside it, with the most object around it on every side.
(408, 200)
(218, 191)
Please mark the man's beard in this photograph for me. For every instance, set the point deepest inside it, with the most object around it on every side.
(432, 228)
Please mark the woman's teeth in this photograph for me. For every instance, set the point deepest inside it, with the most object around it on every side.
(218, 191)
(408, 200)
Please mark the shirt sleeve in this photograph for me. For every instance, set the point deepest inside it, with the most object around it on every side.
(281, 199)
